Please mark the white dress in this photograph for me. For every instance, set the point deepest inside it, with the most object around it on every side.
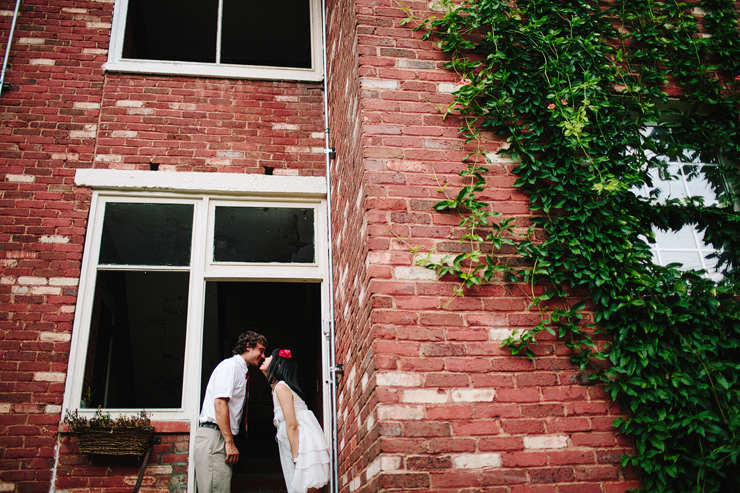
(311, 469)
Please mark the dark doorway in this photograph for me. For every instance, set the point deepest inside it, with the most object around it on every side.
(289, 315)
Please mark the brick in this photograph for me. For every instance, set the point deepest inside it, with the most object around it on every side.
(468, 428)
(476, 461)
(551, 475)
(430, 396)
(572, 457)
(546, 442)
(453, 479)
(524, 459)
(428, 463)
(448, 445)
(596, 473)
(503, 476)
(400, 412)
(592, 439)
(398, 379)
(404, 481)
(446, 380)
(473, 395)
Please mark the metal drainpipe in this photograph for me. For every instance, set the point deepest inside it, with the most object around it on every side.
(333, 368)
(10, 42)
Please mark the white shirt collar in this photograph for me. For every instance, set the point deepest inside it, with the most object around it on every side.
(241, 362)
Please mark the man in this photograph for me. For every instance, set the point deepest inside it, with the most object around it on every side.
(222, 410)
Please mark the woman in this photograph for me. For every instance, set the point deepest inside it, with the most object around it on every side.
(304, 455)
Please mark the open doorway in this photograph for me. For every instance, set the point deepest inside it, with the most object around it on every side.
(289, 315)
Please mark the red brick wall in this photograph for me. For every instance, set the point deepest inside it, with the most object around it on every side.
(65, 112)
(166, 470)
(225, 126)
(358, 436)
(441, 405)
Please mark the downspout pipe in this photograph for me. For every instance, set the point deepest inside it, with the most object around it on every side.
(7, 48)
(333, 368)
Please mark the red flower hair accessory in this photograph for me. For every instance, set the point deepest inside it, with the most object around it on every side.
(285, 353)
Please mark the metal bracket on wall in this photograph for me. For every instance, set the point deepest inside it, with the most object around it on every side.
(339, 369)
(331, 151)
(152, 442)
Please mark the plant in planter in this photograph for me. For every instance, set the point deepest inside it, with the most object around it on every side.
(103, 435)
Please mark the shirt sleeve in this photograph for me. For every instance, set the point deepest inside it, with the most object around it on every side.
(224, 380)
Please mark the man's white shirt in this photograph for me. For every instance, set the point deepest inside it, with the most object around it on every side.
(228, 380)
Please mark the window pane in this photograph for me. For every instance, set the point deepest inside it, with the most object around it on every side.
(147, 234)
(670, 184)
(683, 238)
(263, 234)
(688, 260)
(174, 30)
(136, 350)
(274, 33)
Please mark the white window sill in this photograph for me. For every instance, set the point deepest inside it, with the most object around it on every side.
(213, 70)
(304, 186)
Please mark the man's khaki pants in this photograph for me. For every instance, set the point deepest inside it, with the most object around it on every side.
(212, 473)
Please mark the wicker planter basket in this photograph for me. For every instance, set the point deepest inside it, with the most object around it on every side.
(102, 441)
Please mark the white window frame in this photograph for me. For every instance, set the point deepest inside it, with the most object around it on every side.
(116, 62)
(205, 191)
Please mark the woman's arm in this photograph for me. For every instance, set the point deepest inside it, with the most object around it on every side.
(285, 397)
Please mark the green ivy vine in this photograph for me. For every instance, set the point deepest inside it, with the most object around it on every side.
(591, 97)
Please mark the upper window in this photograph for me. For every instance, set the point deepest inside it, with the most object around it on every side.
(221, 38)
(682, 173)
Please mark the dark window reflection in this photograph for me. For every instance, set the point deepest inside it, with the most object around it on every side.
(275, 33)
(147, 234)
(263, 234)
(136, 352)
(173, 30)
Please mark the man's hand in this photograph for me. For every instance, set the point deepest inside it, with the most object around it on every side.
(232, 454)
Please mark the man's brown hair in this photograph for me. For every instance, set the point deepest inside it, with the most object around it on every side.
(248, 340)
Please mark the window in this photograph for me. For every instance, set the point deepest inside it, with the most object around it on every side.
(138, 322)
(683, 173)
(279, 39)
(156, 271)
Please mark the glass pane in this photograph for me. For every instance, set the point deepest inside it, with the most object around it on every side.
(263, 234)
(136, 351)
(275, 33)
(689, 260)
(147, 234)
(683, 238)
(669, 184)
(172, 30)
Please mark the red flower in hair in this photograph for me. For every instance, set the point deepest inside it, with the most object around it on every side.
(284, 353)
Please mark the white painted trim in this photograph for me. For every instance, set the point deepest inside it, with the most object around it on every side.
(202, 183)
(213, 70)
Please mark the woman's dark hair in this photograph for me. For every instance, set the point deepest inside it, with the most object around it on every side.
(285, 369)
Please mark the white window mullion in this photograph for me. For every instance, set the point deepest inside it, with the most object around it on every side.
(193, 347)
(219, 29)
(193, 344)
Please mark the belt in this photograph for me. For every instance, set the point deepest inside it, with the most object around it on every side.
(209, 425)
